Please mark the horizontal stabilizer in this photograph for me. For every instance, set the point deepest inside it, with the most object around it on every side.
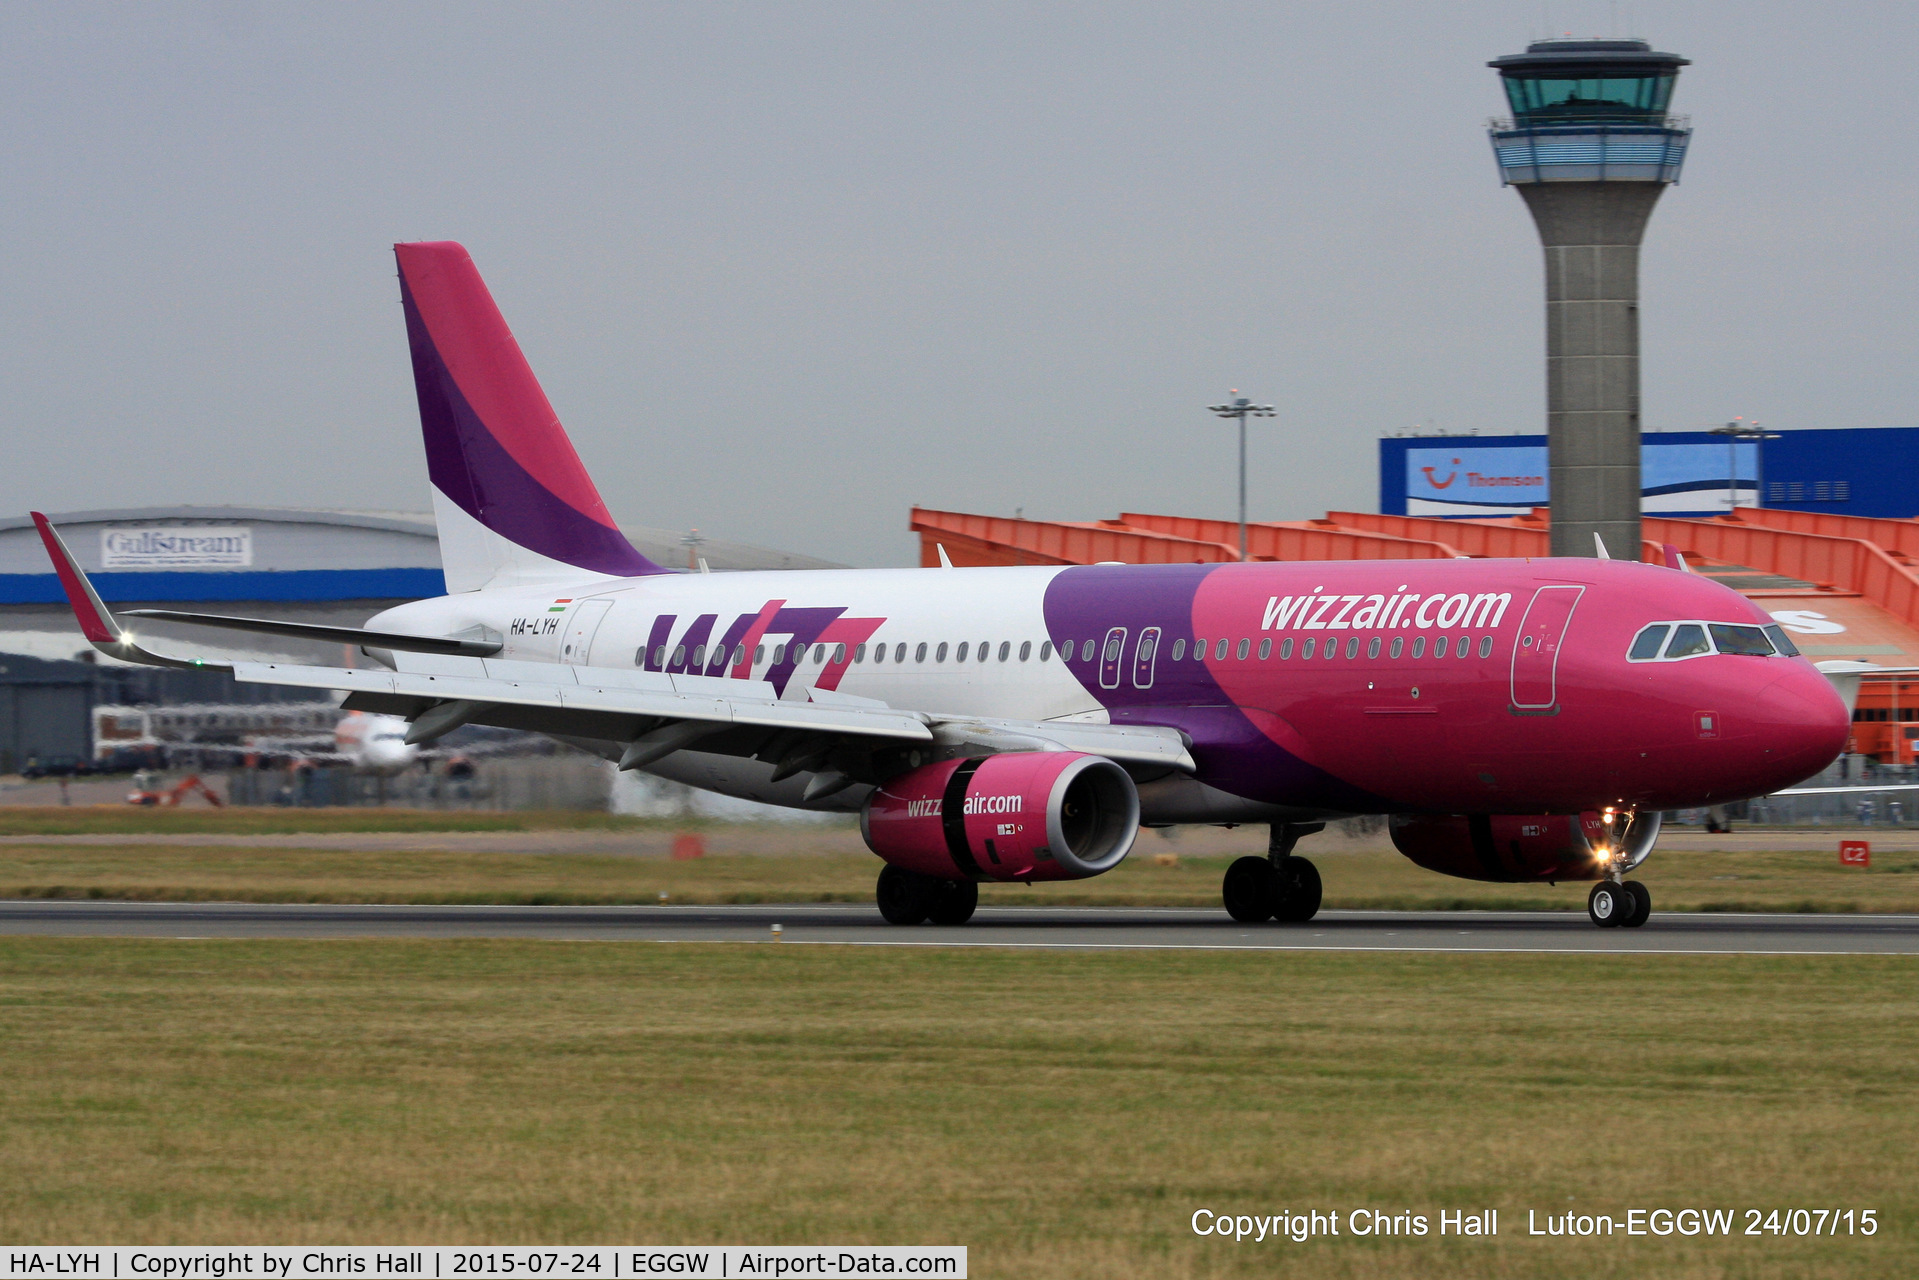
(331, 635)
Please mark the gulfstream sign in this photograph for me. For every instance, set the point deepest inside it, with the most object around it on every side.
(210, 546)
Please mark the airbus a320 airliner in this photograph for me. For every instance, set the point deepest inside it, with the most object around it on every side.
(1518, 720)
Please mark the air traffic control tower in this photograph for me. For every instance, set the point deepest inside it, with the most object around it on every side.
(1589, 148)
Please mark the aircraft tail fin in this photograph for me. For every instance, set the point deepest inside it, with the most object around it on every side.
(514, 504)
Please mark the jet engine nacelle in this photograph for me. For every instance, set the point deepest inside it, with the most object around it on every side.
(1027, 815)
(1522, 848)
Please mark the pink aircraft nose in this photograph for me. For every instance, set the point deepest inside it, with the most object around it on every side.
(1801, 724)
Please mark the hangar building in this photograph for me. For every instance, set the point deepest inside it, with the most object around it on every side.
(303, 565)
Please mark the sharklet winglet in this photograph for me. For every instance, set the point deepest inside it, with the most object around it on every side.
(97, 623)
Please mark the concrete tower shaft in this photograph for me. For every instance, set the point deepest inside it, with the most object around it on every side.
(1591, 233)
(1591, 148)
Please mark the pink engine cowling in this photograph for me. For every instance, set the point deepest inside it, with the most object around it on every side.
(1028, 815)
(1517, 848)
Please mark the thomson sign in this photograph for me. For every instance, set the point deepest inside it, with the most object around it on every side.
(223, 546)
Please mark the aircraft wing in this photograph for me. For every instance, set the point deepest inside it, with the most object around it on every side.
(656, 714)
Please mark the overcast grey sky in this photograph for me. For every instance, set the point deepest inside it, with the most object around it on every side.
(786, 270)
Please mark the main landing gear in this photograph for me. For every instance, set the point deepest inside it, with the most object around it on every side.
(1280, 886)
(1619, 904)
(907, 897)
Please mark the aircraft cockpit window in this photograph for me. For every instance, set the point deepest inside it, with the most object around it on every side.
(1781, 642)
(1745, 641)
(1645, 645)
(1688, 640)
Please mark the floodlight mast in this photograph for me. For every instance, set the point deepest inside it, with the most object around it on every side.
(1242, 408)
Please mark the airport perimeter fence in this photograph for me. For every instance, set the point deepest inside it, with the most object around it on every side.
(572, 781)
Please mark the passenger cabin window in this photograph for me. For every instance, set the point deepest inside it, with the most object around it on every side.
(1245, 646)
(1372, 647)
(1086, 651)
(899, 652)
(1399, 646)
(1005, 650)
(1219, 650)
(1179, 649)
(1286, 649)
(939, 654)
(1306, 650)
(879, 653)
(839, 655)
(1688, 639)
(960, 656)
(1025, 650)
(1485, 646)
(1265, 648)
(1045, 650)
(1419, 646)
(859, 653)
(919, 654)
(1439, 647)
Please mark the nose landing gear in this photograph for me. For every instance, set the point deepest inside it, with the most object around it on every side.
(1619, 904)
(1281, 886)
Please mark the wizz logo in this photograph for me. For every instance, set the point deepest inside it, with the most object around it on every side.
(791, 630)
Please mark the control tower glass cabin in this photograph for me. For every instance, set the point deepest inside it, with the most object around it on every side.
(1589, 111)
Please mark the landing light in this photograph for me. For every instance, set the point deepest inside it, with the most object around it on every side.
(1603, 853)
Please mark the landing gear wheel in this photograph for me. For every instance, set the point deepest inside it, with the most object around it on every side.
(905, 897)
(1641, 905)
(1610, 905)
(1298, 893)
(1250, 890)
(954, 902)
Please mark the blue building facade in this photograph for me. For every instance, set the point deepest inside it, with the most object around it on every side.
(1867, 471)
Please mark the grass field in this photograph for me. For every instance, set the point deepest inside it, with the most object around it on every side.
(46, 820)
(1062, 1115)
(1680, 881)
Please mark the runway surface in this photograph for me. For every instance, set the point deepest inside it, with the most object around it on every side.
(1041, 927)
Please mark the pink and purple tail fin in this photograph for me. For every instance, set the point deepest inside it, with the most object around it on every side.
(514, 504)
